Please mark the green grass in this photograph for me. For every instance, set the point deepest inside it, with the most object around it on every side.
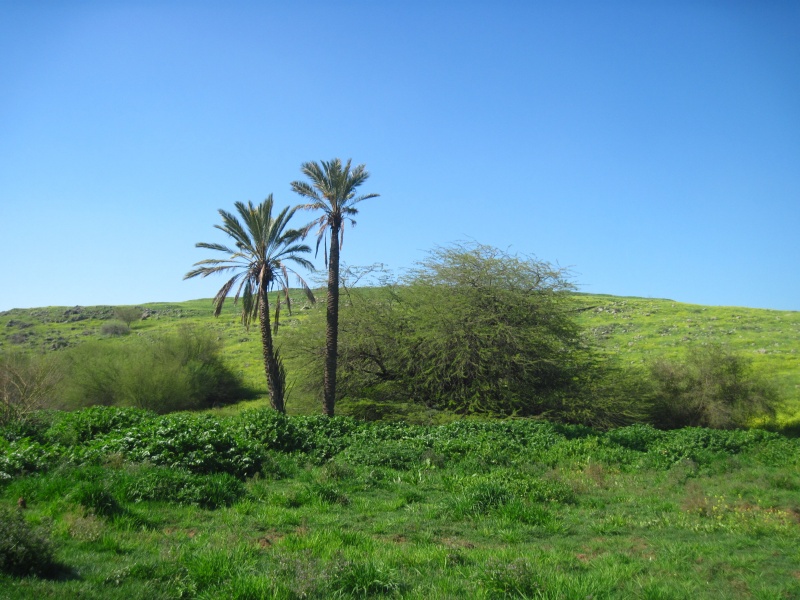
(507, 509)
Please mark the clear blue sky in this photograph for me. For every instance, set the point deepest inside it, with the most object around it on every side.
(653, 147)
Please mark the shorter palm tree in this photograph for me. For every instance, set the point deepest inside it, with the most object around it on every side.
(263, 247)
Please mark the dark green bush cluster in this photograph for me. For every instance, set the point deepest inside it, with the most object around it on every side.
(26, 455)
(710, 387)
(472, 330)
(252, 442)
(72, 428)
(198, 443)
(23, 550)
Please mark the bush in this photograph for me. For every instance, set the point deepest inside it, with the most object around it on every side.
(128, 314)
(96, 497)
(178, 371)
(115, 328)
(470, 330)
(711, 387)
(23, 551)
(27, 384)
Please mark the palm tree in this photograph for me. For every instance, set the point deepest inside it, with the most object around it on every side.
(263, 247)
(333, 191)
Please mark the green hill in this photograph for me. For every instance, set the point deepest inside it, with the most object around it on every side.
(644, 328)
(637, 329)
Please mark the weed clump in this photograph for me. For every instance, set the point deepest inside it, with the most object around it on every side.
(23, 550)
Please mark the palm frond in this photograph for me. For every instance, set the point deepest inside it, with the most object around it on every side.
(232, 227)
(332, 188)
(206, 271)
(309, 293)
(250, 302)
(277, 319)
(220, 247)
(219, 299)
(298, 260)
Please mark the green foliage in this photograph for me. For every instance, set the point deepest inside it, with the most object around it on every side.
(711, 387)
(25, 456)
(177, 371)
(516, 579)
(73, 428)
(364, 578)
(96, 496)
(23, 550)
(199, 443)
(640, 331)
(393, 454)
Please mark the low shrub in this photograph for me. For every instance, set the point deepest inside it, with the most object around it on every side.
(23, 550)
(198, 443)
(517, 579)
(128, 314)
(400, 455)
(364, 578)
(635, 437)
(26, 456)
(115, 329)
(480, 498)
(273, 429)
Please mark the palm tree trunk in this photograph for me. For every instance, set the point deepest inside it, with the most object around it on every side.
(332, 325)
(271, 369)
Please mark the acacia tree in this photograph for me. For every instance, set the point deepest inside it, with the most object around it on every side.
(470, 329)
(263, 247)
(332, 190)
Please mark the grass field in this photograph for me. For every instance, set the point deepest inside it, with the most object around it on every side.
(239, 502)
(261, 506)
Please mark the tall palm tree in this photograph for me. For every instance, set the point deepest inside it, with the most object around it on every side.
(332, 189)
(263, 247)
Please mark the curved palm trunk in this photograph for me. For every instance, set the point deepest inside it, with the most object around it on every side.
(271, 367)
(332, 324)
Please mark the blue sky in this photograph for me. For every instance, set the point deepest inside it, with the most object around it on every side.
(652, 147)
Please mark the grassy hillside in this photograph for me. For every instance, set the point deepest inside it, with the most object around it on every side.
(638, 329)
